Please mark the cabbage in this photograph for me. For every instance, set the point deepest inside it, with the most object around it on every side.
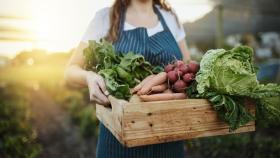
(227, 78)
(227, 72)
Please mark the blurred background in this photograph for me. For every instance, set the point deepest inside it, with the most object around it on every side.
(41, 117)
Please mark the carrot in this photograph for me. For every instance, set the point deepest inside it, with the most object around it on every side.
(134, 99)
(156, 80)
(159, 88)
(162, 97)
(140, 85)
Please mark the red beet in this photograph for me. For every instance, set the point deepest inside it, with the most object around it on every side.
(179, 86)
(193, 66)
(172, 76)
(188, 77)
(178, 72)
(168, 68)
(178, 63)
(184, 68)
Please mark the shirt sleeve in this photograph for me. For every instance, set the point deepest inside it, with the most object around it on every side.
(98, 26)
(180, 33)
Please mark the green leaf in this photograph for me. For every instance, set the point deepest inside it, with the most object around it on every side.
(268, 111)
(125, 77)
(157, 69)
(265, 91)
(231, 110)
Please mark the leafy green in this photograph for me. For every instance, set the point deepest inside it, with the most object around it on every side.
(120, 71)
(226, 77)
(227, 71)
(268, 110)
(231, 109)
(119, 90)
(265, 91)
(100, 55)
(157, 69)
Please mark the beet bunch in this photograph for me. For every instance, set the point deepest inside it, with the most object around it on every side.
(180, 75)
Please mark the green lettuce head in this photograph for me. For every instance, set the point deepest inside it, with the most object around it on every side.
(227, 72)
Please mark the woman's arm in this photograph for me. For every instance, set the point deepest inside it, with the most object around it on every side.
(76, 76)
(183, 47)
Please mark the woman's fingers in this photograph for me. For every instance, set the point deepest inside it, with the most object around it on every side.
(91, 92)
(99, 94)
(102, 85)
(97, 88)
(96, 100)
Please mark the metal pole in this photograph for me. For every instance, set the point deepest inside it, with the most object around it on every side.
(220, 27)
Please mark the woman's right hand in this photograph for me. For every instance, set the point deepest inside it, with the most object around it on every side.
(97, 88)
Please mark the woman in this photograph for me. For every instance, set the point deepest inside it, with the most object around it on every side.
(147, 27)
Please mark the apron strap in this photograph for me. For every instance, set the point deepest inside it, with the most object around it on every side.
(161, 19)
(122, 19)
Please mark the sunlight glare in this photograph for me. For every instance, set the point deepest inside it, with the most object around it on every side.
(30, 61)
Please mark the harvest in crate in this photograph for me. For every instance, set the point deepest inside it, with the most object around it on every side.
(226, 78)
(168, 85)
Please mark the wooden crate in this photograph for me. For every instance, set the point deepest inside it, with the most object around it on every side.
(143, 123)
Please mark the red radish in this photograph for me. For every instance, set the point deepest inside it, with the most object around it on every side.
(179, 63)
(178, 72)
(193, 66)
(184, 68)
(172, 76)
(168, 68)
(179, 86)
(188, 77)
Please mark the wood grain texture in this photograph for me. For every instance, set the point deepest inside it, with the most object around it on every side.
(143, 123)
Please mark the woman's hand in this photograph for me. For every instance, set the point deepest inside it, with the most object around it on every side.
(97, 89)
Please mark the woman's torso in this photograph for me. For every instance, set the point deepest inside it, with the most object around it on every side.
(158, 48)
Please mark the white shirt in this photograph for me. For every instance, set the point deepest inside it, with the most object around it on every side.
(100, 24)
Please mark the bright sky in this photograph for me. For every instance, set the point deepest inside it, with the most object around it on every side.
(58, 25)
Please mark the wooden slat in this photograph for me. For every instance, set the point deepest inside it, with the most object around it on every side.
(129, 134)
(147, 107)
(182, 136)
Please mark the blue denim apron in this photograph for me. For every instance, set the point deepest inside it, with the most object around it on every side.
(160, 48)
